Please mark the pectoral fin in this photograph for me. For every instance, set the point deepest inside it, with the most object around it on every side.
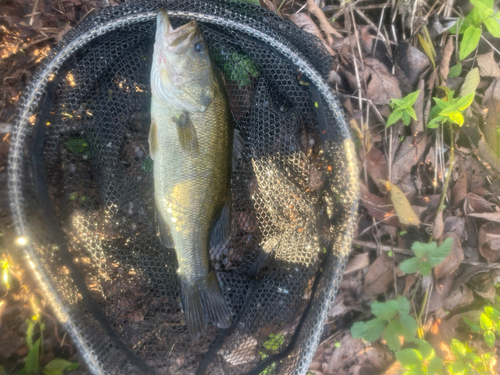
(152, 139)
(222, 229)
(186, 132)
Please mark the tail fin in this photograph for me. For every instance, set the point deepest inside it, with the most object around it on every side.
(203, 303)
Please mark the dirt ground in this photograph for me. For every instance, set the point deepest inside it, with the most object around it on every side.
(421, 180)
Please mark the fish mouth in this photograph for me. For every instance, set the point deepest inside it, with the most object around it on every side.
(175, 37)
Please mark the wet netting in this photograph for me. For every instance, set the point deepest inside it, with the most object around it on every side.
(81, 188)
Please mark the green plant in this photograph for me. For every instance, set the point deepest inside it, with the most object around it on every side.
(77, 145)
(427, 256)
(237, 67)
(450, 109)
(392, 319)
(32, 364)
(489, 325)
(471, 26)
(403, 109)
(467, 361)
(420, 361)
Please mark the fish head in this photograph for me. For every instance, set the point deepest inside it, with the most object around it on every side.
(182, 74)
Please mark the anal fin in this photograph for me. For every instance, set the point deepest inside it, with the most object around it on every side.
(222, 229)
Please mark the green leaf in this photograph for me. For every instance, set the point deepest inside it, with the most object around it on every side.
(438, 255)
(497, 15)
(31, 365)
(395, 116)
(442, 103)
(423, 249)
(409, 327)
(385, 310)
(493, 27)
(458, 349)
(428, 49)
(392, 334)
(475, 328)
(409, 358)
(457, 368)
(57, 366)
(485, 322)
(410, 265)
(466, 101)
(370, 330)
(274, 341)
(455, 71)
(76, 146)
(425, 349)
(489, 338)
(406, 118)
(411, 98)
(448, 110)
(403, 305)
(470, 83)
(412, 113)
(29, 332)
(470, 41)
(435, 366)
(493, 313)
(456, 117)
(425, 268)
(398, 102)
(434, 123)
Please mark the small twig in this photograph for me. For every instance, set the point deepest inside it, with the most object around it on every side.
(491, 45)
(450, 168)
(33, 12)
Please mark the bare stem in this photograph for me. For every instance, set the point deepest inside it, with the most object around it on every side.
(450, 168)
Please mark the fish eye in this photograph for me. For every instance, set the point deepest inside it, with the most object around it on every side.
(200, 47)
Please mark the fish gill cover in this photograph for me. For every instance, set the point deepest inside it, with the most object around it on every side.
(81, 184)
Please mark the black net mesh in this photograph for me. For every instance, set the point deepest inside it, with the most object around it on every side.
(81, 185)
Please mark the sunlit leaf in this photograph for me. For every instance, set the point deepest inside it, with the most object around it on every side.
(402, 206)
(427, 49)
(412, 113)
(435, 366)
(470, 41)
(456, 117)
(426, 350)
(409, 358)
(485, 322)
(493, 26)
(492, 313)
(458, 349)
(442, 103)
(411, 98)
(470, 83)
(466, 101)
(489, 338)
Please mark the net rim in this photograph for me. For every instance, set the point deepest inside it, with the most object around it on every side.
(34, 94)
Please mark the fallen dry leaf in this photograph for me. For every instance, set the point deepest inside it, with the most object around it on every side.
(409, 153)
(403, 208)
(444, 66)
(459, 190)
(353, 357)
(439, 293)
(358, 262)
(376, 166)
(490, 216)
(323, 22)
(379, 208)
(488, 67)
(462, 296)
(454, 224)
(305, 22)
(438, 226)
(491, 101)
(478, 204)
(453, 259)
(489, 241)
(382, 85)
(379, 276)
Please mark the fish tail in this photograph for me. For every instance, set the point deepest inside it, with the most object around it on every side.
(203, 303)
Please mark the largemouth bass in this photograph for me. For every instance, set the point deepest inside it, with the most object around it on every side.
(190, 141)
